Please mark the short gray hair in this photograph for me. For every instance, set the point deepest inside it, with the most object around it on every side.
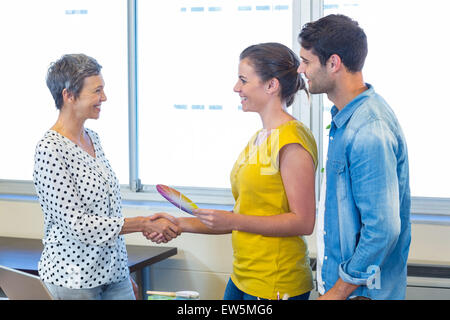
(69, 73)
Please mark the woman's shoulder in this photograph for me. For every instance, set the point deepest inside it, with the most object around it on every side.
(297, 124)
(53, 143)
(296, 128)
(50, 139)
(295, 131)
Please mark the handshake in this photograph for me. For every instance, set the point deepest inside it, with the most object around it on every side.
(161, 227)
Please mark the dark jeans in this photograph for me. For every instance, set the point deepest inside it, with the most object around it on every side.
(233, 293)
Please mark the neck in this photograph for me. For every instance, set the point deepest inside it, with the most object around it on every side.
(349, 86)
(69, 126)
(274, 115)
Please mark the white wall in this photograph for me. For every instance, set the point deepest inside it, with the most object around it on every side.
(204, 262)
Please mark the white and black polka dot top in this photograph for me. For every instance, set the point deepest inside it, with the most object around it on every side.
(80, 198)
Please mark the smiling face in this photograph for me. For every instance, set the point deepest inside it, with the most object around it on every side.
(250, 88)
(316, 74)
(88, 103)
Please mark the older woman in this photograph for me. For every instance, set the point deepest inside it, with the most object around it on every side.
(84, 254)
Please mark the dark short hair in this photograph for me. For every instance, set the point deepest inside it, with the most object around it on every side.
(275, 60)
(69, 73)
(336, 34)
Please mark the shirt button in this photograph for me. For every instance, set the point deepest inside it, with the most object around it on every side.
(331, 138)
(325, 257)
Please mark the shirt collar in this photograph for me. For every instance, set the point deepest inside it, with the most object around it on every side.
(341, 117)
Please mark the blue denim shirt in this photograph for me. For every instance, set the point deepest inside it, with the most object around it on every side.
(367, 206)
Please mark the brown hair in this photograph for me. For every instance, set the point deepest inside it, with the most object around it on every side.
(275, 60)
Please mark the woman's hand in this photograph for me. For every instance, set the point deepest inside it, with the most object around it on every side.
(161, 226)
(164, 228)
(218, 220)
(155, 237)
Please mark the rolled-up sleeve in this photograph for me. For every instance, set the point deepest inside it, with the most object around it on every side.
(372, 166)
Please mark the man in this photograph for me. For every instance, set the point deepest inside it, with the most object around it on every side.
(364, 230)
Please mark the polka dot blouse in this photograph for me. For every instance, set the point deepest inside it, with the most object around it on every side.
(80, 198)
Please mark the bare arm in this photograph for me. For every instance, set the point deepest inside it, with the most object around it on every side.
(131, 225)
(297, 171)
(147, 224)
(185, 224)
(340, 291)
(194, 225)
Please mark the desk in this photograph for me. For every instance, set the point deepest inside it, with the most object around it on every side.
(24, 254)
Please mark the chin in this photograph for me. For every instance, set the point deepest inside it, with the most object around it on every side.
(247, 109)
(317, 90)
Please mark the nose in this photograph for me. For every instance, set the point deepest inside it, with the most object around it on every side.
(103, 97)
(301, 68)
(237, 87)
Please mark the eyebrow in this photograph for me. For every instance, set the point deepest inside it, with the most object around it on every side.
(304, 59)
(242, 77)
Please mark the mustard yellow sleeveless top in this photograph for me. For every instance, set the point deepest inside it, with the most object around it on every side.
(268, 267)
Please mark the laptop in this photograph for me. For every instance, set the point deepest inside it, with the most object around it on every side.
(18, 285)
